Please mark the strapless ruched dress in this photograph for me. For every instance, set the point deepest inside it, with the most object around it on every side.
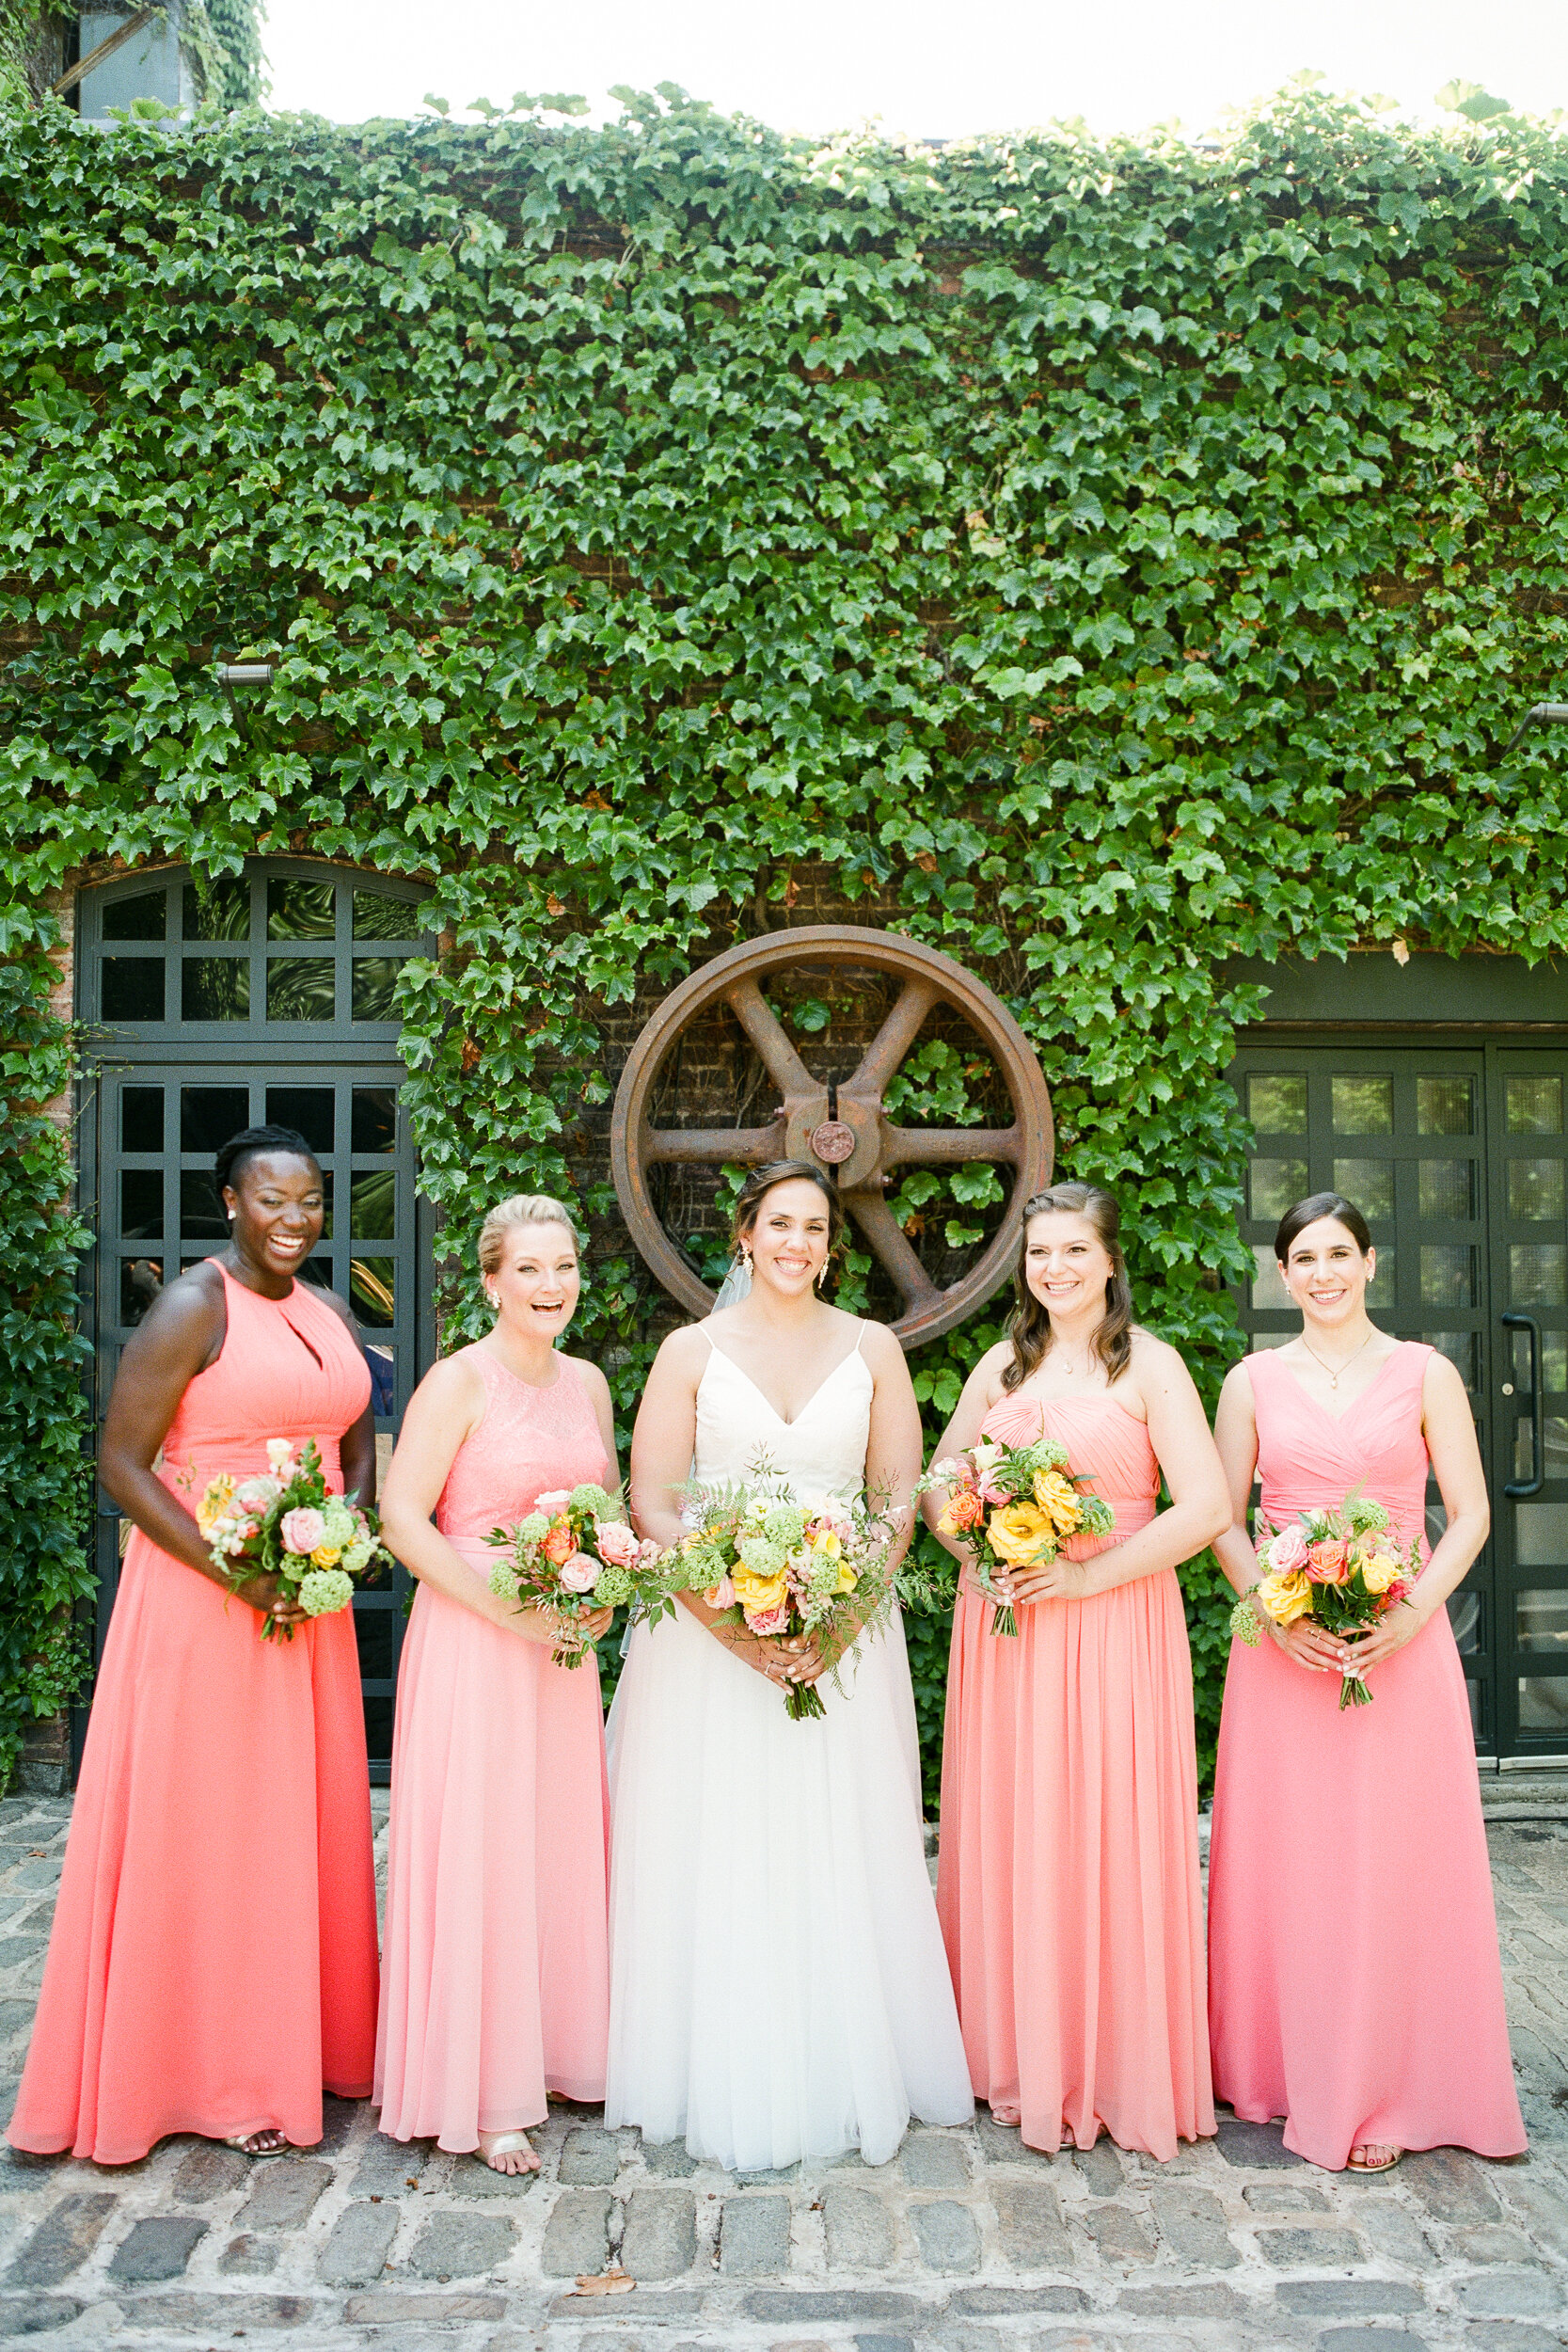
(1068, 1884)
(1354, 1985)
(495, 1987)
(213, 1962)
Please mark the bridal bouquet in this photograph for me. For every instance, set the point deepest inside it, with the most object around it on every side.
(1014, 1507)
(787, 1567)
(572, 1554)
(284, 1523)
(1338, 1567)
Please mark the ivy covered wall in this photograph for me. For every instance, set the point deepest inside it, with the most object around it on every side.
(1099, 562)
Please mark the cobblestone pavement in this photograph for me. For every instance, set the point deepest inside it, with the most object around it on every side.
(967, 2242)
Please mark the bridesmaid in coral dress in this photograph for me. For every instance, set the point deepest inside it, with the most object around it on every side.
(1069, 1883)
(1354, 1986)
(496, 1977)
(212, 1960)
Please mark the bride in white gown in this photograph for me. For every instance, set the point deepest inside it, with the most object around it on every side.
(778, 1983)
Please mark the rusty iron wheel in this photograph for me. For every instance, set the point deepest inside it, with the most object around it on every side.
(860, 1143)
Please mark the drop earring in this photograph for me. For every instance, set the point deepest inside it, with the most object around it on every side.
(821, 1271)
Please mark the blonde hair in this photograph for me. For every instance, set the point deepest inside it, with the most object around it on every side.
(520, 1208)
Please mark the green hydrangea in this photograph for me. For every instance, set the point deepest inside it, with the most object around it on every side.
(356, 1557)
(613, 1588)
(763, 1554)
(534, 1528)
(697, 1570)
(503, 1580)
(785, 1525)
(324, 1591)
(591, 1501)
(338, 1521)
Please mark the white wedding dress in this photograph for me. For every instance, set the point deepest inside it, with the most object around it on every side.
(778, 1983)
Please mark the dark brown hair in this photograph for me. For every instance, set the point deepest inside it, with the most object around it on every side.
(762, 1179)
(1304, 1213)
(1029, 1326)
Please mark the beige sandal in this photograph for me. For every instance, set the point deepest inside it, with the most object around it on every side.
(265, 2131)
(1369, 2148)
(508, 2144)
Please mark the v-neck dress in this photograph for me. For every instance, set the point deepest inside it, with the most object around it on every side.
(778, 1984)
(1354, 1985)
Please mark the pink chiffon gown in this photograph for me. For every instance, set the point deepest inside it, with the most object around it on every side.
(212, 1960)
(1354, 1985)
(1069, 1886)
(495, 1988)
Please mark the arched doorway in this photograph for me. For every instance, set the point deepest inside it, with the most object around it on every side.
(268, 996)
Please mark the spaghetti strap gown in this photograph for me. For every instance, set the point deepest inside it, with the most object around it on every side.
(1354, 1985)
(1069, 1886)
(778, 1988)
(212, 1960)
(495, 1973)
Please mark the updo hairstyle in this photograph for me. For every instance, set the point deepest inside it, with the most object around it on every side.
(1029, 1326)
(521, 1208)
(254, 1143)
(762, 1181)
(1296, 1220)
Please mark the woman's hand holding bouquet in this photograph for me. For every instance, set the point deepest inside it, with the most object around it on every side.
(1012, 1507)
(1341, 1569)
(574, 1561)
(282, 1525)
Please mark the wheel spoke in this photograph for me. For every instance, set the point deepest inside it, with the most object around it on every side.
(762, 1025)
(892, 1041)
(891, 1244)
(940, 1147)
(751, 1145)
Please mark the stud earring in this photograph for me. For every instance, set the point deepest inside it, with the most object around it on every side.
(230, 1215)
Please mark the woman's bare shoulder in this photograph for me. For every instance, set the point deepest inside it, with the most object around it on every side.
(685, 1352)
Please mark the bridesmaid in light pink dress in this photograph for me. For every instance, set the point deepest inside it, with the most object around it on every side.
(1354, 1985)
(1069, 1886)
(495, 1987)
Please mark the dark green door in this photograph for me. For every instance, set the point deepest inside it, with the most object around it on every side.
(1456, 1156)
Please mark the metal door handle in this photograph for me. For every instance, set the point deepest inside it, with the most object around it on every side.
(1537, 1479)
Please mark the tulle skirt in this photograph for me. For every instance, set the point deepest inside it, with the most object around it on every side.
(778, 1983)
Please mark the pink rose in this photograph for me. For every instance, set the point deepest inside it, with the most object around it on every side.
(579, 1574)
(648, 1552)
(618, 1546)
(769, 1620)
(260, 1494)
(722, 1596)
(553, 1501)
(303, 1530)
(1326, 1561)
(1287, 1552)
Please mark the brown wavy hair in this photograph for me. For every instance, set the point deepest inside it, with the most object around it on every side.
(1029, 1326)
(749, 1200)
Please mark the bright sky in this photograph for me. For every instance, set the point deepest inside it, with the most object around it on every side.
(925, 69)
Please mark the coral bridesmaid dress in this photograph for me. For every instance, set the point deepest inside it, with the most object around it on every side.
(496, 1975)
(1354, 1986)
(212, 1960)
(1068, 1883)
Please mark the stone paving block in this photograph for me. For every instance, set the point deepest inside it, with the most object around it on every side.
(670, 2158)
(848, 2306)
(1391, 2230)
(355, 2253)
(1121, 2235)
(860, 2230)
(390, 2307)
(659, 2303)
(35, 2314)
(1509, 2294)
(388, 2166)
(471, 2176)
(659, 2240)
(776, 2176)
(1013, 2302)
(1492, 2242)
(338, 2118)
(64, 2238)
(577, 2235)
(210, 2170)
(1256, 2147)
(1284, 2197)
(235, 2314)
(1346, 2298)
(933, 2160)
(1100, 2167)
(1505, 2335)
(249, 2257)
(947, 2235)
(158, 2247)
(1357, 2340)
(754, 2236)
(1192, 2223)
(1001, 2143)
(1307, 2249)
(1451, 2184)
(590, 2159)
(884, 2344)
(466, 2245)
(282, 2192)
(1170, 2300)
(1029, 2223)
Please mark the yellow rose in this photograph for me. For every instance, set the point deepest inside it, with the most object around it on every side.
(1022, 1534)
(1059, 1500)
(325, 1556)
(1286, 1595)
(761, 1594)
(1378, 1573)
(215, 1501)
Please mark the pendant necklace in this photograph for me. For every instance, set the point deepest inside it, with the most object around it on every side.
(1332, 1376)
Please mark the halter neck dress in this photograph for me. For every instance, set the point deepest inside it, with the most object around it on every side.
(778, 1986)
(212, 1960)
(1355, 1984)
(1068, 1884)
(495, 1980)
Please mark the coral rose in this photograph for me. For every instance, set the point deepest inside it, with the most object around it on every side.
(558, 1545)
(302, 1529)
(1285, 1597)
(1022, 1534)
(1326, 1559)
(618, 1546)
(1288, 1551)
(964, 1510)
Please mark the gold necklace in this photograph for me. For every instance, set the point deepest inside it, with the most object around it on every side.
(1332, 1376)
